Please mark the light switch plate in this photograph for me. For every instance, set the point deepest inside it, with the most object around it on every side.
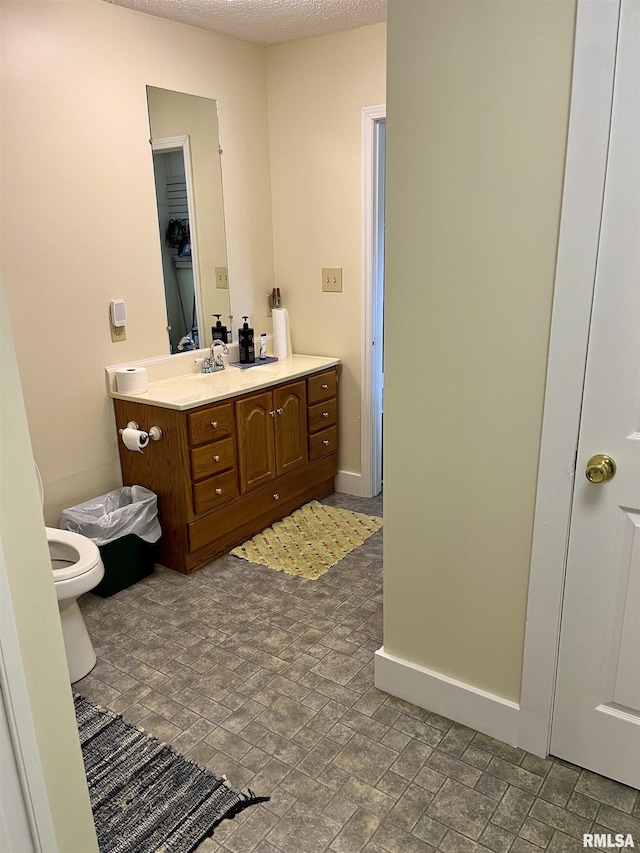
(332, 279)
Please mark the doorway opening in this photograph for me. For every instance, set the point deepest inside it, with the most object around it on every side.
(373, 184)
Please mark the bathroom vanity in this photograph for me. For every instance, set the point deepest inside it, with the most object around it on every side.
(240, 449)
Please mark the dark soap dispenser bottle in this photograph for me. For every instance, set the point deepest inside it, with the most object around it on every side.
(246, 344)
(219, 332)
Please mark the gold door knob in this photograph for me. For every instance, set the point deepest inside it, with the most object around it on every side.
(600, 468)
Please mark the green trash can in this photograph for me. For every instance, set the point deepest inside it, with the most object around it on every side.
(124, 525)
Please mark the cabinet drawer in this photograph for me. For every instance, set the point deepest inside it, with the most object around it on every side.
(255, 511)
(322, 415)
(321, 386)
(212, 458)
(323, 443)
(210, 424)
(214, 492)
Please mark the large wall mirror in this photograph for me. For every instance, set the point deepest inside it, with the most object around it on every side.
(188, 177)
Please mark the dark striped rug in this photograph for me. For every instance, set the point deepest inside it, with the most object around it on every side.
(147, 798)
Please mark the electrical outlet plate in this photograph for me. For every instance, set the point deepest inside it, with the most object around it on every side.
(332, 279)
(222, 279)
(118, 333)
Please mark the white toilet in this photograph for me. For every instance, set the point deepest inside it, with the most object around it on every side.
(77, 568)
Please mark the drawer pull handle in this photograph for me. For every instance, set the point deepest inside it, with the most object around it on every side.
(218, 491)
(325, 414)
(325, 387)
(280, 411)
(272, 413)
(216, 458)
(326, 442)
(214, 424)
(276, 496)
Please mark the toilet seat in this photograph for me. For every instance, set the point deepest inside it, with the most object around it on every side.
(79, 552)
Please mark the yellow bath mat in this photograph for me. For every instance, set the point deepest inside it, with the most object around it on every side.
(310, 540)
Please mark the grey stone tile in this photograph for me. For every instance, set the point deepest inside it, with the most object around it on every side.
(491, 786)
(392, 839)
(461, 808)
(558, 786)
(453, 842)
(453, 768)
(496, 747)
(285, 717)
(337, 667)
(363, 794)
(514, 775)
(307, 790)
(365, 759)
(305, 829)
(393, 784)
(606, 791)
(430, 830)
(429, 779)
(521, 845)
(616, 821)
(353, 837)
(496, 838)
(567, 822)
(536, 832)
(512, 809)
(410, 806)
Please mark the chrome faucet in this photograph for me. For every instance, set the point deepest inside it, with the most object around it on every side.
(215, 362)
(186, 343)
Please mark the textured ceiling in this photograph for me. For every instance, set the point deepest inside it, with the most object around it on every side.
(266, 22)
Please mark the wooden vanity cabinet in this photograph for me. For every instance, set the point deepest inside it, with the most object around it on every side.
(272, 434)
(225, 471)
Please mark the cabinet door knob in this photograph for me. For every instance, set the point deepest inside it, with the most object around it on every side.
(276, 496)
(216, 458)
(325, 387)
(280, 411)
(325, 414)
(214, 424)
(218, 491)
(326, 442)
(272, 413)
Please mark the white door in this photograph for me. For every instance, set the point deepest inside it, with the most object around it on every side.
(596, 720)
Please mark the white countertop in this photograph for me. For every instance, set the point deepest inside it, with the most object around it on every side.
(189, 390)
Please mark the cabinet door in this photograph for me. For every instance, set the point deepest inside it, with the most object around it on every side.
(290, 403)
(256, 447)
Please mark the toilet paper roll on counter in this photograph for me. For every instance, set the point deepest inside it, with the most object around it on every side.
(281, 333)
(134, 439)
(132, 380)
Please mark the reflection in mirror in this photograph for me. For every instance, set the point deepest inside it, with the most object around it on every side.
(188, 175)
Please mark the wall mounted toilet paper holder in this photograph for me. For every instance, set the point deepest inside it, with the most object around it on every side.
(155, 433)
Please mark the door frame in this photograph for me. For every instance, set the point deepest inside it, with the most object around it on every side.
(166, 145)
(585, 172)
(371, 390)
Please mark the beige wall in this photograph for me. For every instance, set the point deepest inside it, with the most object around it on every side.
(79, 225)
(478, 97)
(24, 553)
(317, 89)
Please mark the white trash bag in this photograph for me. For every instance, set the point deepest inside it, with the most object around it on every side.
(131, 509)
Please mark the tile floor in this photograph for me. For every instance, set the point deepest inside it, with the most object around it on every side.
(269, 679)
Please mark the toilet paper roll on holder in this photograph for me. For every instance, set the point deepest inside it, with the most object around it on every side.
(155, 433)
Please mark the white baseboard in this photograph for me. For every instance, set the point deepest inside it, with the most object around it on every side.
(487, 713)
(351, 484)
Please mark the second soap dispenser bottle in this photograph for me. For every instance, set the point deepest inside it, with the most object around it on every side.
(245, 343)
